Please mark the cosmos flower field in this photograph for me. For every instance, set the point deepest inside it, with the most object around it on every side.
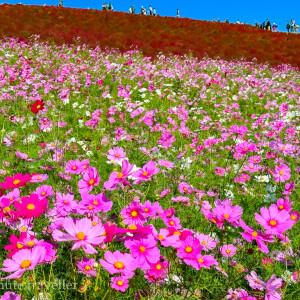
(126, 177)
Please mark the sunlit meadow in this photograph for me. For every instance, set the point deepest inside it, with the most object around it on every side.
(126, 177)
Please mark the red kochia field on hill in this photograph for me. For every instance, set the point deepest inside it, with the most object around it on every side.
(151, 34)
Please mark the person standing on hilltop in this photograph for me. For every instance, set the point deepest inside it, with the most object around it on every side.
(288, 26)
(292, 25)
(178, 13)
(268, 25)
(110, 7)
(104, 6)
(154, 12)
(150, 10)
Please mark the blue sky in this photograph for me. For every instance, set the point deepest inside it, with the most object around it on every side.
(250, 11)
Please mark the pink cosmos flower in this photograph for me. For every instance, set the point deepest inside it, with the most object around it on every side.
(119, 177)
(149, 209)
(207, 243)
(23, 260)
(158, 271)
(116, 154)
(252, 235)
(185, 188)
(282, 173)
(225, 211)
(228, 250)
(273, 220)
(95, 203)
(13, 196)
(284, 204)
(145, 173)
(271, 286)
(118, 262)
(144, 251)
(38, 178)
(255, 281)
(82, 232)
(183, 200)
(74, 167)
(289, 188)
(44, 191)
(15, 182)
(10, 296)
(85, 266)
(119, 283)
(220, 171)
(189, 248)
(133, 214)
(166, 163)
(90, 179)
(65, 204)
(245, 147)
(202, 261)
(166, 239)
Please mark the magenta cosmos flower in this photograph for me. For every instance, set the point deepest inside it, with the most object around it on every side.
(255, 281)
(14, 182)
(31, 206)
(83, 232)
(118, 262)
(274, 221)
(24, 260)
(74, 167)
(119, 177)
(144, 251)
(202, 261)
(90, 179)
(189, 248)
(86, 267)
(145, 173)
(228, 250)
(282, 173)
(119, 283)
(133, 214)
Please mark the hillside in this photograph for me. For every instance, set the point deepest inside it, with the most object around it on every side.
(151, 34)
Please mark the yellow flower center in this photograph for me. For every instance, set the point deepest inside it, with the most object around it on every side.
(43, 193)
(90, 207)
(20, 246)
(120, 175)
(74, 168)
(228, 251)
(87, 268)
(91, 182)
(200, 260)
(94, 223)
(16, 181)
(226, 216)
(6, 209)
(273, 223)
(293, 218)
(38, 106)
(145, 173)
(119, 265)
(23, 228)
(25, 263)
(161, 237)
(254, 234)
(142, 249)
(146, 210)
(95, 202)
(132, 227)
(30, 206)
(134, 213)
(177, 232)
(80, 236)
(281, 172)
(158, 266)
(281, 207)
(203, 243)
(188, 249)
(171, 223)
(31, 243)
(119, 282)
